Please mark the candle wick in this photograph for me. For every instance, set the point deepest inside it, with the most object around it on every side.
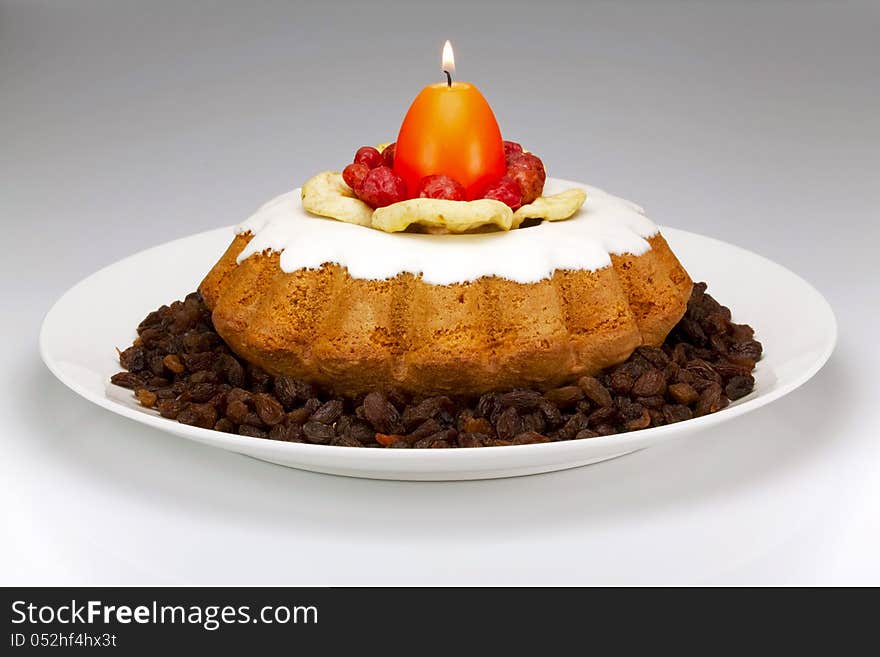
(448, 78)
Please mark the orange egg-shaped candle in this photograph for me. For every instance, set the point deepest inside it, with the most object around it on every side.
(450, 130)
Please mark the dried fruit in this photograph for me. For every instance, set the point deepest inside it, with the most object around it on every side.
(565, 397)
(128, 380)
(368, 156)
(739, 386)
(381, 413)
(388, 154)
(512, 150)
(354, 175)
(438, 186)
(650, 383)
(509, 424)
(329, 412)
(557, 207)
(442, 216)
(711, 400)
(594, 389)
(530, 438)
(521, 400)
(317, 432)
(327, 195)
(146, 398)
(382, 187)
(683, 393)
(527, 171)
(507, 191)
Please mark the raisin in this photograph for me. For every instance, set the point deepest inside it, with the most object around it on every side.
(133, 359)
(621, 382)
(521, 400)
(232, 370)
(575, 423)
(446, 435)
(594, 389)
(602, 415)
(676, 413)
(426, 428)
(174, 364)
(654, 401)
(347, 441)
(643, 421)
(253, 432)
(269, 409)
(198, 415)
(683, 393)
(127, 380)
(381, 413)
(653, 355)
(530, 438)
(478, 425)
(702, 370)
(317, 432)
(552, 414)
(415, 414)
(329, 412)
(224, 425)
(739, 386)
(472, 439)
(170, 408)
(289, 390)
(751, 350)
(201, 361)
(711, 400)
(237, 411)
(509, 424)
(650, 383)
(202, 392)
(564, 397)
(146, 397)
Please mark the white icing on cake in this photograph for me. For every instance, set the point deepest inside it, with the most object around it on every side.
(605, 225)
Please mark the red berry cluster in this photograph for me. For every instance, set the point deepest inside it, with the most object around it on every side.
(371, 176)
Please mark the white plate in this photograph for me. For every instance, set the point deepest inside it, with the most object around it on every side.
(791, 319)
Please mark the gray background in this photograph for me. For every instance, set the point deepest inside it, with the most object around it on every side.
(124, 125)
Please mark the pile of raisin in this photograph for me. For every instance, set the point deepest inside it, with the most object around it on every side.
(180, 367)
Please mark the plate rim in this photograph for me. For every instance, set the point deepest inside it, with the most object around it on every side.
(626, 441)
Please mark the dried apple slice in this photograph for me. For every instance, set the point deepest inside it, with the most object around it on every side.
(443, 216)
(551, 208)
(327, 195)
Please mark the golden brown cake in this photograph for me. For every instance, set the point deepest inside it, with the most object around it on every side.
(280, 305)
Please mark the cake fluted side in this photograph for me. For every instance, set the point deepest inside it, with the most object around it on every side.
(355, 335)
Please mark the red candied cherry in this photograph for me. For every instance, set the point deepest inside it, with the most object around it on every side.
(527, 171)
(511, 151)
(369, 156)
(388, 154)
(505, 190)
(354, 175)
(382, 187)
(442, 187)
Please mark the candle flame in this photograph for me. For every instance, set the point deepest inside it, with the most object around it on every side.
(448, 58)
